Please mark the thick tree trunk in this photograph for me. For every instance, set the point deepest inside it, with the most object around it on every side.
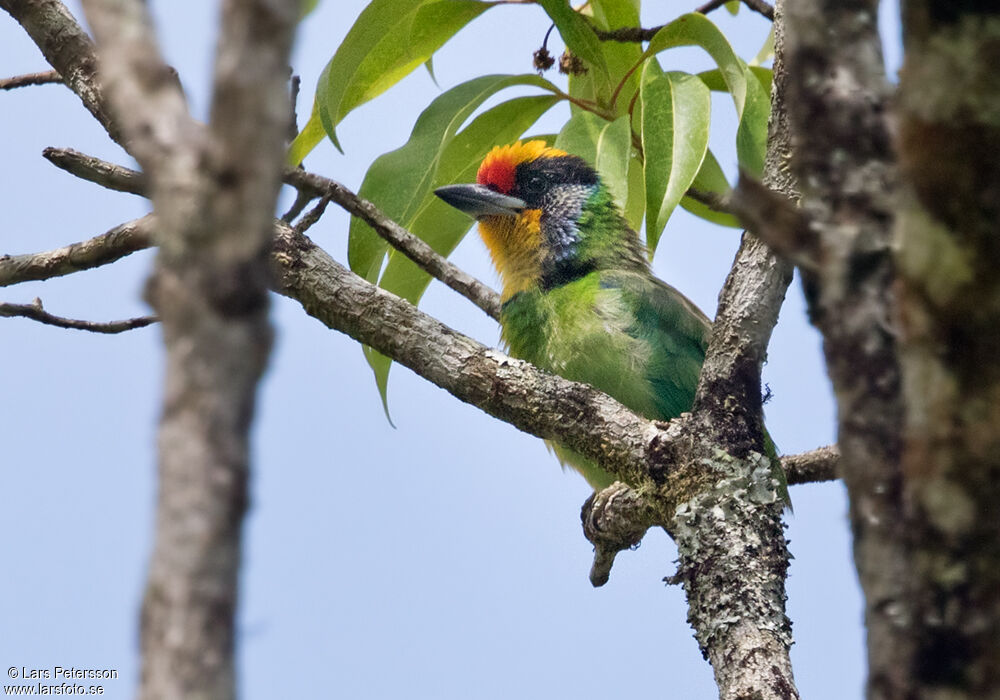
(838, 97)
(948, 242)
(214, 190)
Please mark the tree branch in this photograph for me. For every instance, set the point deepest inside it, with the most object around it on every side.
(100, 172)
(68, 49)
(35, 312)
(776, 219)
(399, 238)
(736, 592)
(310, 185)
(821, 464)
(120, 241)
(43, 78)
(639, 35)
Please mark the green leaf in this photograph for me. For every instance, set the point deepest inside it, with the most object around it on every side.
(401, 183)
(619, 56)
(307, 7)
(388, 41)
(710, 178)
(766, 52)
(580, 38)
(310, 135)
(676, 109)
(635, 207)
(429, 65)
(580, 134)
(605, 145)
(713, 79)
(733, 6)
(752, 102)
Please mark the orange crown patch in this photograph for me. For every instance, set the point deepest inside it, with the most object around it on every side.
(498, 168)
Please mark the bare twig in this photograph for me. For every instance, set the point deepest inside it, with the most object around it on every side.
(710, 6)
(101, 172)
(295, 83)
(415, 249)
(712, 200)
(43, 78)
(760, 7)
(812, 467)
(101, 250)
(312, 216)
(614, 519)
(627, 34)
(35, 312)
(638, 34)
(302, 199)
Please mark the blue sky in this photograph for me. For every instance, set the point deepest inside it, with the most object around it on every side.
(439, 559)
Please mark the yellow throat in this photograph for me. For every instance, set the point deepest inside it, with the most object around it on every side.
(514, 242)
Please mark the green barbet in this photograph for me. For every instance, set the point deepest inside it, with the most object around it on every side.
(579, 298)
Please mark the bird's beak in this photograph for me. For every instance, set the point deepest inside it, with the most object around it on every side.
(478, 201)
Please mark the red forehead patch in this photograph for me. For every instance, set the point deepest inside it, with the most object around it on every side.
(499, 167)
(497, 174)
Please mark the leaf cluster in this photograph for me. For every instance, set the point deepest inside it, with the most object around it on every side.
(643, 126)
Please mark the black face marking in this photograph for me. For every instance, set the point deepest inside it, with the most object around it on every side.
(534, 180)
(559, 186)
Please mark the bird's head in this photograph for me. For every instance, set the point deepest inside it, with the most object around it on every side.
(544, 215)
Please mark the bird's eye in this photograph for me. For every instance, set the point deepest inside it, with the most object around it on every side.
(535, 184)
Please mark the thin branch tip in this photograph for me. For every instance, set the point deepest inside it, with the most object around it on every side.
(100, 172)
(47, 77)
(36, 312)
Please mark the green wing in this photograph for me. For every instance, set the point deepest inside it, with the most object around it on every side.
(676, 333)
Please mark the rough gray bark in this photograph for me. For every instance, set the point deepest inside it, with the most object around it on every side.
(838, 96)
(734, 566)
(68, 48)
(115, 244)
(949, 324)
(213, 191)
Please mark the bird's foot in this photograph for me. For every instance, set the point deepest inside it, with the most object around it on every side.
(614, 518)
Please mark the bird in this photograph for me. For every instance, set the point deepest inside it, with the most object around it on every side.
(578, 296)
